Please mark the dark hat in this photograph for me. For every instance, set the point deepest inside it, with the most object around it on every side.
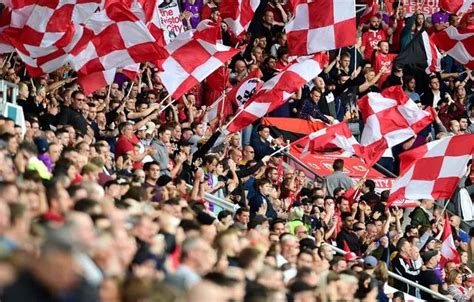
(426, 256)
(42, 144)
(163, 180)
(205, 219)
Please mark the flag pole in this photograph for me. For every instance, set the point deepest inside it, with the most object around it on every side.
(108, 91)
(355, 57)
(169, 104)
(8, 59)
(280, 150)
(224, 69)
(163, 101)
(129, 90)
(233, 118)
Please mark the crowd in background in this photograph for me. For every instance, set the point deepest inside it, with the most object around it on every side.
(103, 197)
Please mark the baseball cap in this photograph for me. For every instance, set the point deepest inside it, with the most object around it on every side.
(350, 256)
(150, 127)
(370, 262)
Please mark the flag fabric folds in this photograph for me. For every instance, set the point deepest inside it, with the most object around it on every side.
(433, 171)
(455, 6)
(238, 14)
(448, 248)
(192, 57)
(113, 38)
(276, 91)
(390, 118)
(245, 89)
(321, 25)
(339, 136)
(54, 33)
(458, 43)
(421, 53)
(370, 10)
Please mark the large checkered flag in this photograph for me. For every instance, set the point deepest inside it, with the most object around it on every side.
(390, 118)
(433, 171)
(320, 25)
(276, 91)
(193, 56)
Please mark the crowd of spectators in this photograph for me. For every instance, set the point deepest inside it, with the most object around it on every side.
(103, 197)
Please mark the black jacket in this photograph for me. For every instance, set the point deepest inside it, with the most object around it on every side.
(68, 116)
(351, 239)
(404, 267)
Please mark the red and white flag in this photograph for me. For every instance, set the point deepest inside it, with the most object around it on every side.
(339, 136)
(114, 38)
(390, 118)
(245, 89)
(448, 248)
(456, 6)
(458, 43)
(433, 170)
(238, 14)
(131, 71)
(146, 10)
(370, 10)
(96, 80)
(276, 91)
(44, 31)
(321, 25)
(193, 56)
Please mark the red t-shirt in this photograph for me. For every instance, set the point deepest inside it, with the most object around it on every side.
(123, 146)
(370, 40)
(382, 60)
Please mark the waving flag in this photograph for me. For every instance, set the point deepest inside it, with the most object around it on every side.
(433, 171)
(448, 249)
(390, 118)
(455, 6)
(321, 25)
(193, 56)
(276, 91)
(339, 136)
(421, 53)
(370, 10)
(458, 43)
(238, 14)
(114, 38)
(245, 89)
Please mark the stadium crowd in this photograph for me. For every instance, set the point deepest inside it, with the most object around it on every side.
(103, 197)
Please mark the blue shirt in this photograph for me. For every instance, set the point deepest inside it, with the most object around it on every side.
(310, 108)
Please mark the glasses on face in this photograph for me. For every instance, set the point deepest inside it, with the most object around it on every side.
(80, 100)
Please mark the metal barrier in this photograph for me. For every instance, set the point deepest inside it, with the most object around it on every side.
(217, 203)
(400, 278)
(8, 93)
